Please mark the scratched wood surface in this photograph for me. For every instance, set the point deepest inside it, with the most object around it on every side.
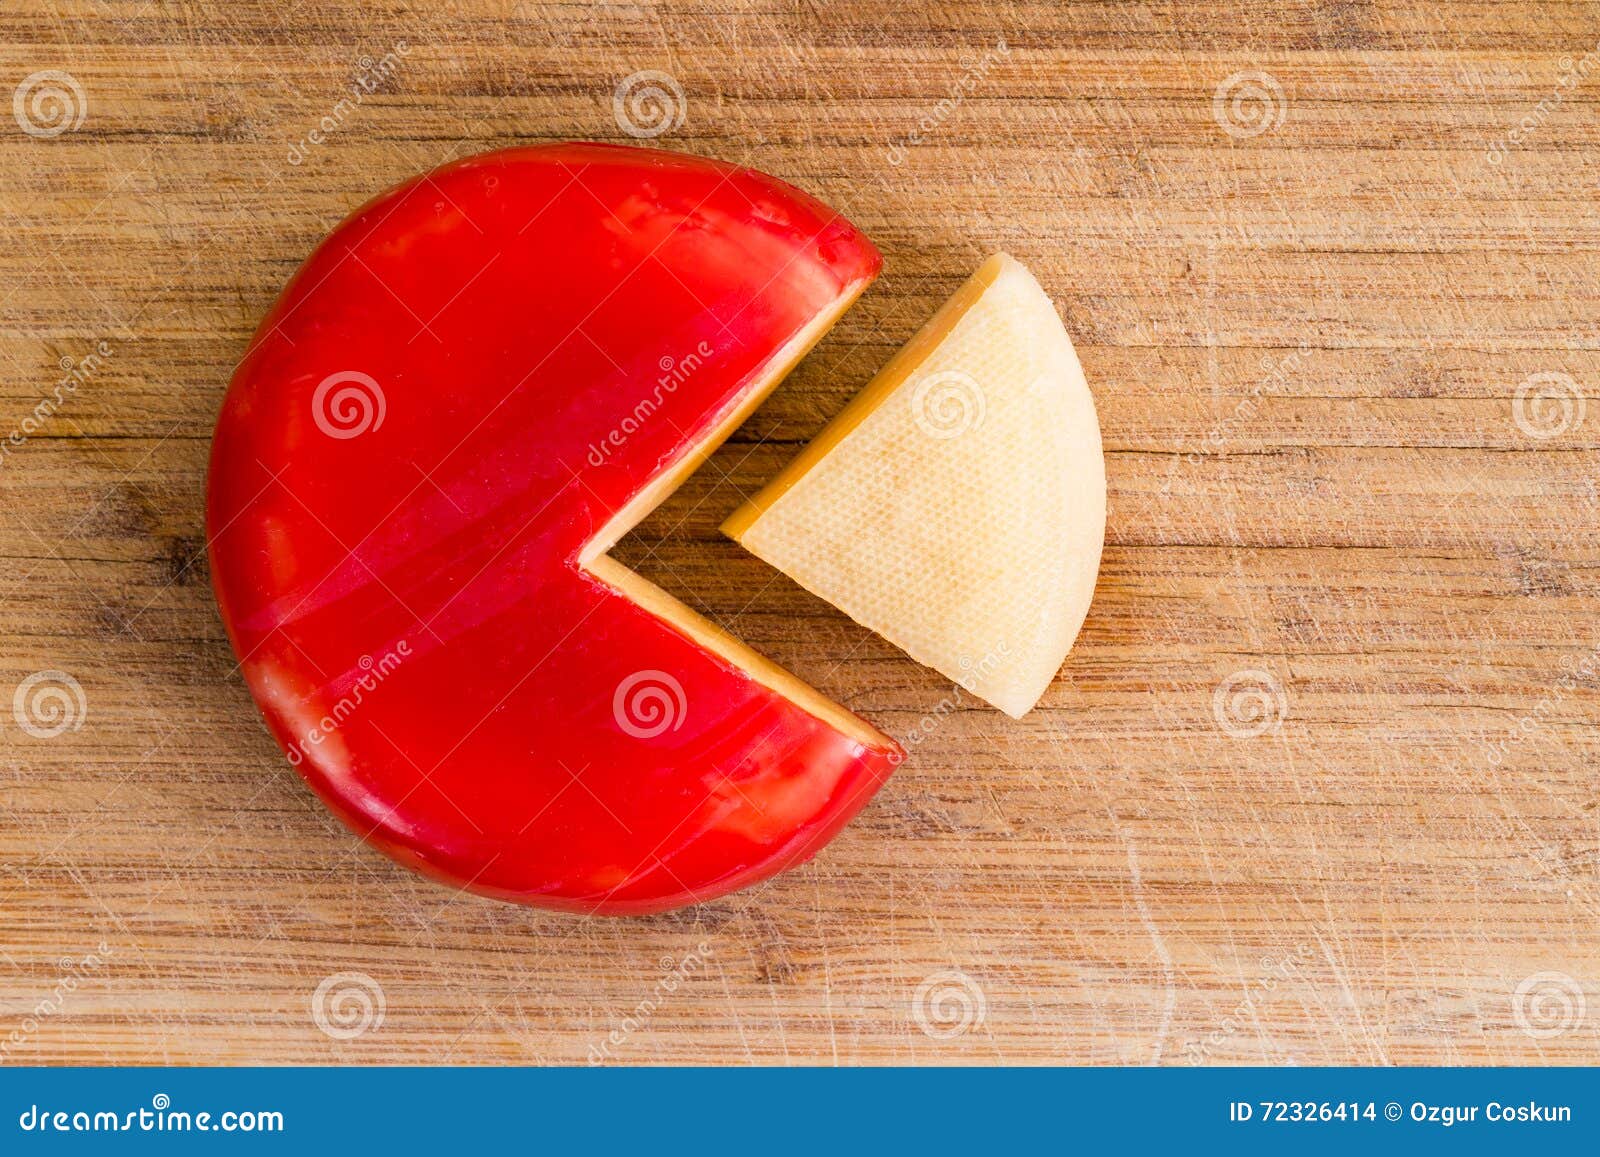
(1318, 784)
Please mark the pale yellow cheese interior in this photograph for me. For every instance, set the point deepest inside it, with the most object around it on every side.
(957, 506)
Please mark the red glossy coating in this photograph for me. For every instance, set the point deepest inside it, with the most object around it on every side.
(458, 389)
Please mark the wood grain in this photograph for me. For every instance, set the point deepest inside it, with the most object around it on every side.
(1306, 343)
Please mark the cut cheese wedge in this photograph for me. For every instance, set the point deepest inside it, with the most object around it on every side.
(957, 506)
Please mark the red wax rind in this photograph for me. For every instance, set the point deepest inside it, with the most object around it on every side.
(456, 392)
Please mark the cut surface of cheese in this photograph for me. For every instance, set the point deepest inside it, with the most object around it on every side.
(957, 505)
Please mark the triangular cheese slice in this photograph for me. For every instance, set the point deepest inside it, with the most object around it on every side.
(957, 506)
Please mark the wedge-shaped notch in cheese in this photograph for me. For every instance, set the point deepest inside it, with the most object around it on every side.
(957, 506)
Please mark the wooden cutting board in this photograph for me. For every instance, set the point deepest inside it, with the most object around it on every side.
(1317, 785)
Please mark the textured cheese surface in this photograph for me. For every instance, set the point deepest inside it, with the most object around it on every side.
(958, 506)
